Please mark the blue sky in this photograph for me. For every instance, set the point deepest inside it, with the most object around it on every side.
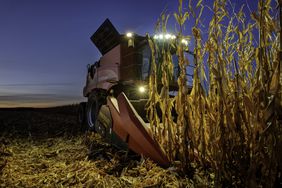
(45, 45)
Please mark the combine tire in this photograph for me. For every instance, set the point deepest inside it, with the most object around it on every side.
(92, 108)
(81, 116)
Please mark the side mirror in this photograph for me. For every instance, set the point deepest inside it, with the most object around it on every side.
(88, 67)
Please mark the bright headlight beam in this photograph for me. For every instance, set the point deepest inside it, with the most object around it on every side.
(129, 34)
(141, 89)
(164, 36)
(167, 36)
(185, 42)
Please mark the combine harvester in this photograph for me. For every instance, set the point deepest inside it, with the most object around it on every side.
(117, 92)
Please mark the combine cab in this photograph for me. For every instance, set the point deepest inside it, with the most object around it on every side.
(117, 92)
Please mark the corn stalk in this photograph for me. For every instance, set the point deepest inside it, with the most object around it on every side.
(236, 127)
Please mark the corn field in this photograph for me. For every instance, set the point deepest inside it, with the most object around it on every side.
(232, 126)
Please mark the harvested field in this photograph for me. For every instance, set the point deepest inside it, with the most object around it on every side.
(47, 148)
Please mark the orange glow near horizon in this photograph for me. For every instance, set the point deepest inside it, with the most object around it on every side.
(17, 104)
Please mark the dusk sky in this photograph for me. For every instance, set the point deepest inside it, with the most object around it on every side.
(45, 44)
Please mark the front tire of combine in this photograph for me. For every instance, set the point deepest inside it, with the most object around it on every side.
(81, 116)
(92, 108)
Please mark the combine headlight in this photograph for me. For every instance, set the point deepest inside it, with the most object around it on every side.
(164, 36)
(167, 36)
(185, 42)
(142, 89)
(129, 35)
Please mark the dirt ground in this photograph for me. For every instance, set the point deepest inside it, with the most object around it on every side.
(47, 148)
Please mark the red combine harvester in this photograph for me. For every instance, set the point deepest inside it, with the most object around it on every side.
(117, 92)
